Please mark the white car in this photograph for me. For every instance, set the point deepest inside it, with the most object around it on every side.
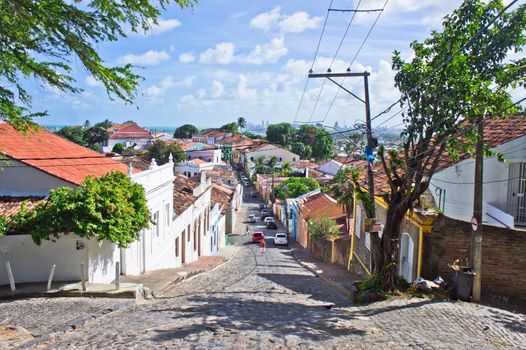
(267, 219)
(280, 239)
(252, 218)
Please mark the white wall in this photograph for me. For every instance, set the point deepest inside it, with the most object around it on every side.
(271, 150)
(32, 263)
(19, 179)
(192, 168)
(211, 156)
(458, 180)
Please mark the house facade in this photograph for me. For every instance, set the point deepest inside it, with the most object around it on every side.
(129, 134)
(192, 167)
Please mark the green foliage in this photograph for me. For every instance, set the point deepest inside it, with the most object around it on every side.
(294, 187)
(160, 150)
(185, 131)
(301, 149)
(118, 148)
(41, 39)
(251, 135)
(373, 288)
(281, 134)
(318, 139)
(241, 123)
(231, 128)
(105, 124)
(343, 188)
(3, 225)
(72, 133)
(106, 208)
(323, 227)
(95, 135)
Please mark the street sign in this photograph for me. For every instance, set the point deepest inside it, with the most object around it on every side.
(474, 224)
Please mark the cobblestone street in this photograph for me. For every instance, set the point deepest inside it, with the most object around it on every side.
(268, 301)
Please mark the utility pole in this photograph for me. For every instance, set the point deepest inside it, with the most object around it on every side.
(369, 134)
(476, 236)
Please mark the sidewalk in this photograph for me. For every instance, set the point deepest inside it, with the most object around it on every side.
(332, 274)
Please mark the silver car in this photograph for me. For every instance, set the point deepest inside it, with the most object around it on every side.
(280, 239)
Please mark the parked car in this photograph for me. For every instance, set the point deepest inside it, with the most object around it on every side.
(254, 194)
(262, 206)
(280, 239)
(252, 218)
(267, 219)
(272, 225)
(257, 237)
(264, 214)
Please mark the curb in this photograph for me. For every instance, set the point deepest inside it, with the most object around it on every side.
(348, 294)
(77, 324)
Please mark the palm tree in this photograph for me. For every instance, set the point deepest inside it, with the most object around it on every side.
(286, 168)
(272, 162)
(241, 123)
(343, 191)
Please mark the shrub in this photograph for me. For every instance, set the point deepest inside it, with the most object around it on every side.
(118, 148)
(323, 227)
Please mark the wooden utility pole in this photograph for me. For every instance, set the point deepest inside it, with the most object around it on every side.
(369, 134)
(476, 237)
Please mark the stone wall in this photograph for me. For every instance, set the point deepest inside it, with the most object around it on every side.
(322, 249)
(503, 256)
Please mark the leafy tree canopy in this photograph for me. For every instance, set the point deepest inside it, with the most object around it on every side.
(241, 123)
(185, 131)
(105, 124)
(294, 187)
(73, 133)
(43, 39)
(160, 150)
(107, 208)
(318, 139)
(323, 227)
(118, 148)
(281, 134)
(231, 128)
(251, 135)
(301, 149)
(95, 135)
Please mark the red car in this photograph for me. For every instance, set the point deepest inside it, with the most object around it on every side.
(257, 237)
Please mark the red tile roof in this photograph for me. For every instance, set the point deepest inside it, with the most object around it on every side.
(222, 189)
(197, 161)
(183, 193)
(318, 201)
(128, 130)
(54, 155)
(11, 205)
(220, 197)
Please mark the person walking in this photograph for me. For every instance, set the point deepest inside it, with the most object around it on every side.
(247, 231)
(263, 246)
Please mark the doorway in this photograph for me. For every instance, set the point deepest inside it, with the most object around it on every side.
(406, 257)
(183, 247)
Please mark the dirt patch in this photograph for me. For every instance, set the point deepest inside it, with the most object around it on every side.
(12, 336)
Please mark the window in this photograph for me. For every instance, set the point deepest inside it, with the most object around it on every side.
(167, 213)
(177, 247)
(156, 221)
(252, 158)
(368, 240)
(358, 226)
(188, 230)
(280, 159)
(293, 159)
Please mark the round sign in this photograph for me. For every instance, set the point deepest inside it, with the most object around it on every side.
(474, 223)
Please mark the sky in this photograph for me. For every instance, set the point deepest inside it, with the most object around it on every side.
(225, 59)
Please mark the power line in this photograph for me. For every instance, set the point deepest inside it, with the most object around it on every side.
(313, 61)
(354, 58)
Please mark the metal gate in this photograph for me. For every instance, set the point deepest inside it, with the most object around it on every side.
(517, 193)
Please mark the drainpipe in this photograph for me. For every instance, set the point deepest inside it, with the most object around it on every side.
(420, 248)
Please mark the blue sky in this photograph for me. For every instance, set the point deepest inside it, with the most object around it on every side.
(231, 58)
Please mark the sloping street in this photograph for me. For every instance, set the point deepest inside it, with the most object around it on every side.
(268, 301)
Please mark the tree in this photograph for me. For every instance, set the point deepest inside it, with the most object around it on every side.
(343, 191)
(95, 136)
(118, 148)
(72, 133)
(294, 187)
(107, 208)
(323, 227)
(105, 124)
(271, 163)
(251, 135)
(281, 134)
(460, 90)
(40, 39)
(318, 139)
(185, 131)
(286, 168)
(241, 123)
(301, 149)
(230, 128)
(161, 151)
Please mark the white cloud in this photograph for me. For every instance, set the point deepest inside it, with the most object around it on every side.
(243, 91)
(222, 53)
(218, 88)
(149, 58)
(172, 48)
(91, 81)
(266, 20)
(299, 22)
(268, 53)
(186, 57)
(167, 83)
(201, 93)
(162, 26)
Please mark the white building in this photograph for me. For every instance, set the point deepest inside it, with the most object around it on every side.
(129, 134)
(198, 150)
(504, 190)
(267, 151)
(331, 167)
(192, 167)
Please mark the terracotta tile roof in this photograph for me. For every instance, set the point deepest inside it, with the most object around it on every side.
(183, 193)
(211, 133)
(222, 189)
(220, 197)
(128, 130)
(54, 155)
(302, 164)
(318, 201)
(11, 205)
(197, 161)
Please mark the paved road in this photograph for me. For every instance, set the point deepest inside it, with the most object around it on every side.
(267, 301)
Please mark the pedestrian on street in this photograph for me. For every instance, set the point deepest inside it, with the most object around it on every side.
(246, 231)
(263, 246)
